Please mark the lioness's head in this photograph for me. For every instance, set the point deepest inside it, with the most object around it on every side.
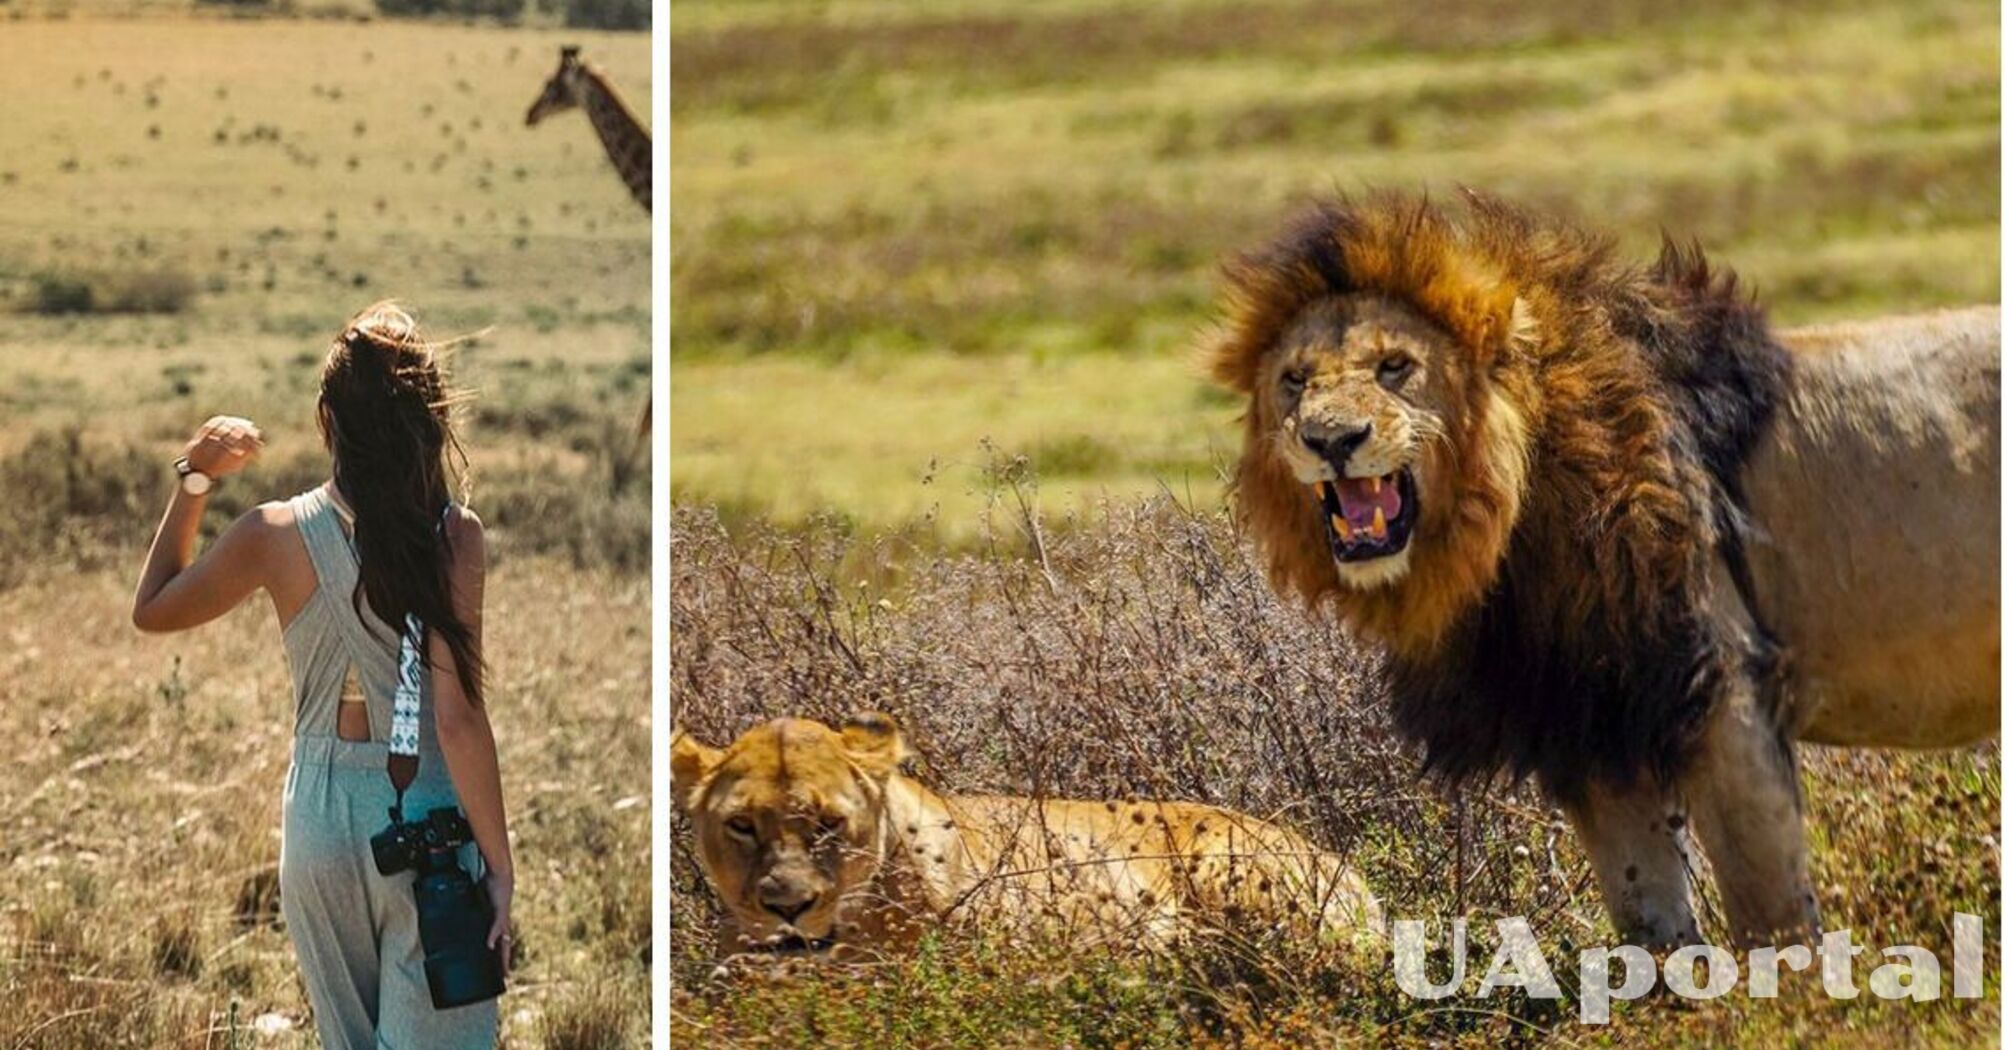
(788, 822)
(1386, 440)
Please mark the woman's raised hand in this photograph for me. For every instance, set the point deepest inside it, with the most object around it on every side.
(224, 445)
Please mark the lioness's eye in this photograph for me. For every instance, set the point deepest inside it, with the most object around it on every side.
(741, 827)
(1393, 370)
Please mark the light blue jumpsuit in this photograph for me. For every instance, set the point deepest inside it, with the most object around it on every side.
(357, 932)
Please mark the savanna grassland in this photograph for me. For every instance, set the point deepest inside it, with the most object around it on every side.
(189, 208)
(940, 447)
(986, 220)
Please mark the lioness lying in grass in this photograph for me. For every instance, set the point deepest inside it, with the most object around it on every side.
(816, 842)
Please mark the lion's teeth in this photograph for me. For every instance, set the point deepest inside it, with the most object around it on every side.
(1375, 486)
(1340, 526)
(1379, 528)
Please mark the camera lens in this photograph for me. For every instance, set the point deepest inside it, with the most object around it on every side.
(454, 919)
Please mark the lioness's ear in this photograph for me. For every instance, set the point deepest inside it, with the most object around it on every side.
(875, 741)
(690, 763)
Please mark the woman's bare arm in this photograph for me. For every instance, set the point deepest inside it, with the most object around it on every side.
(177, 590)
(466, 738)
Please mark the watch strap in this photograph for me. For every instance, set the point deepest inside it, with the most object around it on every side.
(184, 470)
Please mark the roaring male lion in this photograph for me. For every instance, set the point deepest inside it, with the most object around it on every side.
(1618, 534)
(816, 843)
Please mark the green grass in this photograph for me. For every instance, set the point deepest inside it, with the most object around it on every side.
(899, 229)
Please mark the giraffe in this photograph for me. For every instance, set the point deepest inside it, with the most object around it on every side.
(577, 84)
(627, 142)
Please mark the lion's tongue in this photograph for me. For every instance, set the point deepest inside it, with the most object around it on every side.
(1360, 498)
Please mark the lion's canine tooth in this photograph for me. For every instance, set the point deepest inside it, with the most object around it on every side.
(1379, 528)
(1340, 526)
(1376, 486)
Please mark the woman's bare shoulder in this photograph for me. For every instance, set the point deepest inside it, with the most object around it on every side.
(272, 514)
(263, 520)
(266, 522)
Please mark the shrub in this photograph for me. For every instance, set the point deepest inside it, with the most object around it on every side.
(607, 14)
(162, 291)
(150, 292)
(501, 10)
(586, 1017)
(57, 293)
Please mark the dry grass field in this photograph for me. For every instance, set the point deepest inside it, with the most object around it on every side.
(937, 274)
(188, 210)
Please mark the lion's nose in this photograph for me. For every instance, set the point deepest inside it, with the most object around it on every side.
(786, 902)
(1334, 442)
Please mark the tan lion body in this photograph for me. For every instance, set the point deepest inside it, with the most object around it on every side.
(1876, 495)
(1140, 873)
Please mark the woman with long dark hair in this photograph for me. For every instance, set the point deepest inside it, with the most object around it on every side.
(377, 558)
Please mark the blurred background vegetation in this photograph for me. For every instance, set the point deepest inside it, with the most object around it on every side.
(190, 207)
(901, 229)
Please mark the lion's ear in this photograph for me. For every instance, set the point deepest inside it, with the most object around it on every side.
(691, 763)
(875, 741)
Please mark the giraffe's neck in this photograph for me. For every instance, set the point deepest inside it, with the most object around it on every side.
(623, 136)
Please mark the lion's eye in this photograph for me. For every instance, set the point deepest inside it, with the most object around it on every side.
(740, 827)
(1294, 381)
(1394, 369)
(830, 827)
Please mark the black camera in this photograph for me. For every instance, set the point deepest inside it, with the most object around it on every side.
(454, 913)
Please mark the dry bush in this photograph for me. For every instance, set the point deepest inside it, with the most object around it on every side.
(1143, 654)
(157, 291)
(86, 500)
(586, 1017)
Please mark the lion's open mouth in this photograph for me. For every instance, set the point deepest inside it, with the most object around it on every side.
(1368, 518)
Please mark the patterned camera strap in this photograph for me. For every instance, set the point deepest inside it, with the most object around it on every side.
(402, 764)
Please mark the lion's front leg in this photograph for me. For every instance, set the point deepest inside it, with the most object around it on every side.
(1742, 787)
(1635, 836)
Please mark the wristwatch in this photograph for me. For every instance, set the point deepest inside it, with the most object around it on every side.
(193, 481)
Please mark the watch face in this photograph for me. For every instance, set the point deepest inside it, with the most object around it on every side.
(195, 483)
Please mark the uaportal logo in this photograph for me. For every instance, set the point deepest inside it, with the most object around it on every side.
(1912, 972)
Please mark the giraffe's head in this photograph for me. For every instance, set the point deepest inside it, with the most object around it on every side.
(561, 92)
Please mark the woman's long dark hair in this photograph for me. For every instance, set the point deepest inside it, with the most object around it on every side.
(386, 416)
